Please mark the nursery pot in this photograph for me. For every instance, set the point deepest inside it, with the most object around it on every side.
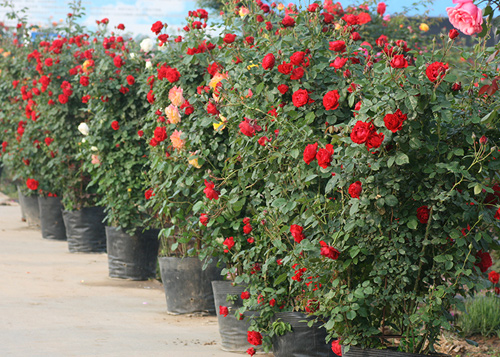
(233, 332)
(51, 218)
(360, 352)
(85, 230)
(30, 210)
(302, 341)
(132, 256)
(187, 285)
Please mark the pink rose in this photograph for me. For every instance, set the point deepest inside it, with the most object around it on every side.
(466, 16)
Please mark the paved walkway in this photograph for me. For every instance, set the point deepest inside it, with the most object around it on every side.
(53, 303)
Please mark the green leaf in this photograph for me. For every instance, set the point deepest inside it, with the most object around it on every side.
(402, 159)
(478, 189)
(391, 200)
(412, 223)
(279, 202)
(310, 177)
(440, 258)
(280, 279)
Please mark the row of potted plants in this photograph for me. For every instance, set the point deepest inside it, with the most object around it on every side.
(337, 166)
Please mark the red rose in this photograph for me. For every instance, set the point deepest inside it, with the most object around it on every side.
(355, 189)
(337, 46)
(399, 61)
(394, 122)
(124, 90)
(118, 61)
(210, 192)
(364, 18)
(246, 128)
(223, 310)
(374, 140)
(296, 232)
(229, 38)
(250, 40)
(283, 88)
(328, 251)
(120, 27)
(382, 41)
(259, 18)
(484, 262)
(251, 351)
(130, 80)
(331, 100)
(48, 141)
(338, 63)
(310, 153)
(32, 184)
(151, 97)
(288, 21)
(297, 58)
(381, 9)
(63, 99)
(313, 7)
(148, 194)
(204, 219)
(157, 27)
(355, 36)
(436, 70)
(497, 214)
(229, 243)
(297, 73)
(49, 62)
(160, 134)
(285, 68)
(84, 81)
(324, 156)
(85, 98)
(247, 228)
(350, 19)
(172, 75)
(453, 34)
(300, 97)
(212, 109)
(336, 348)
(423, 214)
(254, 338)
(494, 277)
(360, 132)
(245, 295)
(268, 61)
(456, 86)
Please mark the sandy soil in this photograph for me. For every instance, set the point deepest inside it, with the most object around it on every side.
(54, 303)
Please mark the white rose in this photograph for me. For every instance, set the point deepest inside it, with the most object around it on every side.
(146, 45)
(84, 129)
(83, 140)
(149, 64)
(94, 148)
(132, 55)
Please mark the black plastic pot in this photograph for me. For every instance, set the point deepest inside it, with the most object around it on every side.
(30, 210)
(132, 256)
(187, 286)
(359, 352)
(302, 341)
(233, 332)
(51, 218)
(85, 230)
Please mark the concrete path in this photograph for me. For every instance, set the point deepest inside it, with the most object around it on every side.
(53, 303)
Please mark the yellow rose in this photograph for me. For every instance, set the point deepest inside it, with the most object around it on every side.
(194, 162)
(424, 27)
(244, 11)
(281, 6)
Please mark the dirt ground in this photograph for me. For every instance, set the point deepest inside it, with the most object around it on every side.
(54, 303)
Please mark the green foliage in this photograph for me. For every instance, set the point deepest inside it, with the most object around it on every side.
(481, 316)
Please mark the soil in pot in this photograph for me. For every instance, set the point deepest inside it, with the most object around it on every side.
(302, 341)
(51, 218)
(233, 332)
(85, 230)
(187, 286)
(132, 256)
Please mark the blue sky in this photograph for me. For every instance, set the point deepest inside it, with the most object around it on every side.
(138, 15)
